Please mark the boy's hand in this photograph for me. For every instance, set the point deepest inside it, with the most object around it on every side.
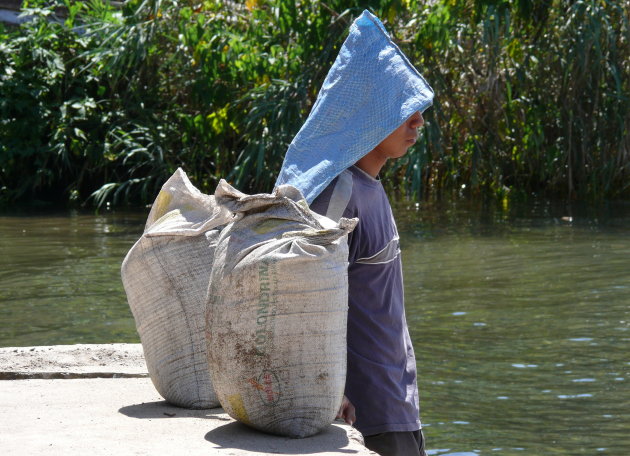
(346, 411)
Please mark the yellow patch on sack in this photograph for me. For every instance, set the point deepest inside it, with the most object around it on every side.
(162, 202)
(269, 225)
(238, 408)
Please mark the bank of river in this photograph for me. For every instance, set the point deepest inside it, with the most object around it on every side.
(520, 317)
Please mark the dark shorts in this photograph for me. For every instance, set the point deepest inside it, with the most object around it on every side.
(409, 443)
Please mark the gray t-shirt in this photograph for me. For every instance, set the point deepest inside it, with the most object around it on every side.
(381, 380)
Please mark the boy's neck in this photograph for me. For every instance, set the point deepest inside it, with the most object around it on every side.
(372, 163)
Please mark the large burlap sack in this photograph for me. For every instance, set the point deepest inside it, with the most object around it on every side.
(277, 313)
(165, 275)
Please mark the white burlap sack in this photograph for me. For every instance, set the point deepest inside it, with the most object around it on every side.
(277, 313)
(165, 275)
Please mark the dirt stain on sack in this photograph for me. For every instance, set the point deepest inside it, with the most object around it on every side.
(248, 354)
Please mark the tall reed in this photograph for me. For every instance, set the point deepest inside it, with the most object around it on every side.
(103, 105)
(531, 97)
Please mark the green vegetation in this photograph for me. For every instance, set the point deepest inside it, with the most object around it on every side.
(104, 104)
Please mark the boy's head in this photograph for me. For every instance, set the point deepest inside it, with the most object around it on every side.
(395, 145)
(368, 97)
(401, 139)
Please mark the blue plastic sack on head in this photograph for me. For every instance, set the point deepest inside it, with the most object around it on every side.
(370, 90)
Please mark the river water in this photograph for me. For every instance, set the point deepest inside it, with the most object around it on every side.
(520, 316)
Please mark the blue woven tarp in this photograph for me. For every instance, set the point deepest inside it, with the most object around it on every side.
(370, 90)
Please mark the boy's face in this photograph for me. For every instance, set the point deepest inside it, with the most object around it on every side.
(401, 139)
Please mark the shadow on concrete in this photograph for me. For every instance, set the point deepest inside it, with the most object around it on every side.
(238, 436)
(162, 409)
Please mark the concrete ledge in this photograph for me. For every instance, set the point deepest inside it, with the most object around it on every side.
(105, 416)
(72, 361)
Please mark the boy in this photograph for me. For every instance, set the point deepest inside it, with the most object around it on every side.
(368, 111)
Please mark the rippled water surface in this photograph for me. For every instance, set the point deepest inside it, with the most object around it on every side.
(521, 324)
(520, 317)
(60, 278)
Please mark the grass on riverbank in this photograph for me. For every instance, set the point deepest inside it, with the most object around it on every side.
(103, 105)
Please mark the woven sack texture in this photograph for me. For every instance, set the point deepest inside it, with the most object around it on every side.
(165, 275)
(276, 321)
